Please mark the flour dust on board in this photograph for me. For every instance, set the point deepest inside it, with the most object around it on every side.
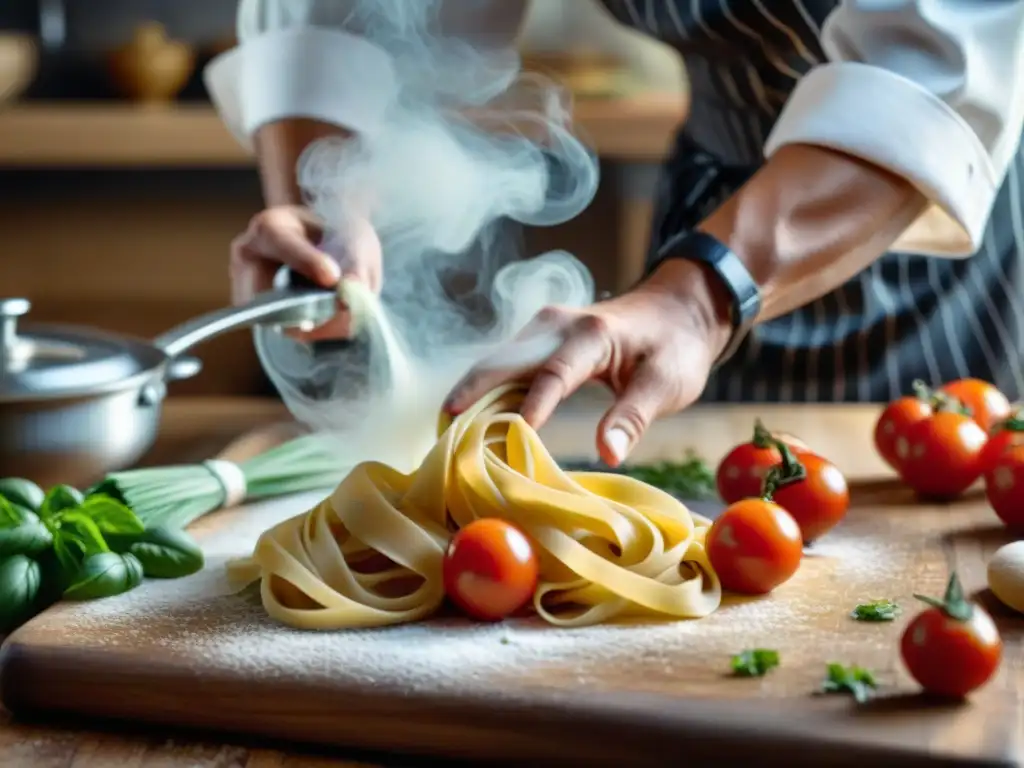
(202, 620)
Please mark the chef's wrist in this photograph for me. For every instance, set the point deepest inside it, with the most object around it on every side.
(278, 147)
(701, 297)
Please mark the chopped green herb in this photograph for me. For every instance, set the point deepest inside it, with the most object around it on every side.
(879, 610)
(854, 680)
(689, 479)
(755, 662)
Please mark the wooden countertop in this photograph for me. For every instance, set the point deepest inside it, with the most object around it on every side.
(98, 134)
(198, 428)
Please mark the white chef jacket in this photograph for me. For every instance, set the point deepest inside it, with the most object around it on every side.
(931, 90)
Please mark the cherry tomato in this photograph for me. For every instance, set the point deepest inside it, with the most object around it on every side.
(754, 546)
(490, 570)
(987, 404)
(895, 420)
(1005, 434)
(1004, 487)
(741, 473)
(952, 647)
(818, 501)
(941, 455)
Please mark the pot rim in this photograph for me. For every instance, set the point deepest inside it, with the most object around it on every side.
(136, 347)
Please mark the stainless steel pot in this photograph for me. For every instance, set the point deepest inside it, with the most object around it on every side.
(76, 402)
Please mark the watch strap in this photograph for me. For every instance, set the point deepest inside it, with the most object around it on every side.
(743, 291)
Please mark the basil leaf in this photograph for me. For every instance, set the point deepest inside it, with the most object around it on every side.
(69, 551)
(166, 553)
(10, 514)
(30, 538)
(58, 499)
(25, 493)
(23, 513)
(104, 575)
(107, 488)
(79, 527)
(56, 578)
(110, 515)
(20, 580)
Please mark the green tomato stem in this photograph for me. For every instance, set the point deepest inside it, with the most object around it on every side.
(789, 470)
(762, 438)
(954, 604)
(1014, 423)
(938, 400)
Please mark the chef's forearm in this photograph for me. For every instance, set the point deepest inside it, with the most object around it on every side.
(278, 147)
(810, 220)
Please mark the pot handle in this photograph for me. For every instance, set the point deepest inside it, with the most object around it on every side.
(291, 307)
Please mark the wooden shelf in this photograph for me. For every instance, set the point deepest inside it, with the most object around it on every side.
(93, 135)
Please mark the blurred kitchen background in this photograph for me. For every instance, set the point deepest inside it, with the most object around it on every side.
(120, 189)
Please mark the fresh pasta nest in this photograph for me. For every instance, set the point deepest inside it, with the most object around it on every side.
(371, 553)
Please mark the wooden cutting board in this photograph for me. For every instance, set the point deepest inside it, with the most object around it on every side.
(190, 653)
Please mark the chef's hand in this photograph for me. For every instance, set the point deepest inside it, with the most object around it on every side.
(293, 236)
(653, 346)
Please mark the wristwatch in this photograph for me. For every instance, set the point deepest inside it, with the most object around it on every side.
(743, 291)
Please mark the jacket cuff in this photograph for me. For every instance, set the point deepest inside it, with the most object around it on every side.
(307, 72)
(893, 123)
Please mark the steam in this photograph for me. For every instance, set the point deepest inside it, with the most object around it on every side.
(469, 148)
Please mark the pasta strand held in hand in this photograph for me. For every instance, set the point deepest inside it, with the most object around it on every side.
(370, 554)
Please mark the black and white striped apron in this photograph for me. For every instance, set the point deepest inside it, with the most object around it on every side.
(906, 317)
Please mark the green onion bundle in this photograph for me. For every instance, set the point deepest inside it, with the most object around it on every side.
(175, 496)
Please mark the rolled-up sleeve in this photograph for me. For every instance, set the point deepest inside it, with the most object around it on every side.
(295, 59)
(931, 90)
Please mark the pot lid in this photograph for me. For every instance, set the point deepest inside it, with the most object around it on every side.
(46, 361)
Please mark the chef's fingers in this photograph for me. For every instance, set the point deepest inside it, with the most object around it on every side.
(283, 236)
(291, 248)
(644, 398)
(357, 252)
(584, 354)
(249, 276)
(516, 360)
(480, 380)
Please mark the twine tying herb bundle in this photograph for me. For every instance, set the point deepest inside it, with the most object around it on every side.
(174, 496)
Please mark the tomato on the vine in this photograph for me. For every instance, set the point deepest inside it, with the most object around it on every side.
(741, 473)
(893, 423)
(1004, 435)
(490, 570)
(1004, 487)
(811, 489)
(754, 546)
(981, 401)
(953, 647)
(987, 405)
(941, 456)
